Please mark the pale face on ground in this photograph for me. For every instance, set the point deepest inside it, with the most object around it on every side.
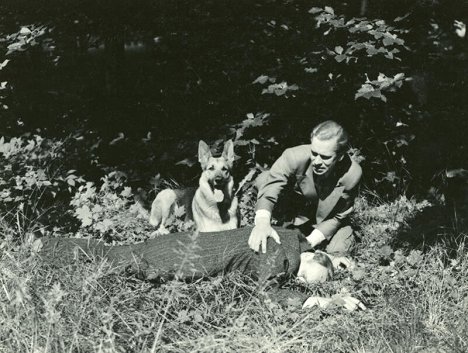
(311, 271)
(324, 155)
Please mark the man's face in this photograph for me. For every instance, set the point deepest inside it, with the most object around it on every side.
(311, 271)
(324, 155)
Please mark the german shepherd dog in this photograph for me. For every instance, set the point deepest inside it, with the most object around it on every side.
(212, 206)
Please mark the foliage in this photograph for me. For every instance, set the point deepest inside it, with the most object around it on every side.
(363, 38)
(33, 181)
(416, 300)
(98, 67)
(109, 211)
(374, 88)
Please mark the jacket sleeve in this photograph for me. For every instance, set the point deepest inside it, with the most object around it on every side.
(344, 207)
(276, 180)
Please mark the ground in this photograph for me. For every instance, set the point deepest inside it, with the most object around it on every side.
(416, 298)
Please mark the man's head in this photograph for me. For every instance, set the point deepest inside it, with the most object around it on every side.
(315, 267)
(329, 142)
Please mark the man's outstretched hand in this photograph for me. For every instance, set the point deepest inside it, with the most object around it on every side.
(260, 233)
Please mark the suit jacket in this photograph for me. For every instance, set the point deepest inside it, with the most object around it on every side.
(327, 207)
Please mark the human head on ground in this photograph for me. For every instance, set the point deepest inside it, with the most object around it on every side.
(315, 267)
(329, 142)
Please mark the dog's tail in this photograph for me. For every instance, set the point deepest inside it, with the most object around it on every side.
(161, 207)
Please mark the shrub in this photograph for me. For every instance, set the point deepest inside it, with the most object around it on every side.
(33, 181)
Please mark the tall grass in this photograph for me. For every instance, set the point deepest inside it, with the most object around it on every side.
(417, 302)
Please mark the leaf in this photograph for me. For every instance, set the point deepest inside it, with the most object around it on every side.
(280, 91)
(387, 41)
(183, 316)
(315, 10)
(389, 55)
(261, 79)
(340, 58)
(127, 192)
(329, 10)
(107, 223)
(339, 49)
(293, 87)
(24, 31)
(179, 211)
(371, 50)
(84, 215)
(414, 258)
(294, 302)
(386, 251)
(310, 70)
(4, 63)
(358, 274)
(189, 162)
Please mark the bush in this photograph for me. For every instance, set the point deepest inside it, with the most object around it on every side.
(34, 185)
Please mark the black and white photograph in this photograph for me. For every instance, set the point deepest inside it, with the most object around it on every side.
(233, 176)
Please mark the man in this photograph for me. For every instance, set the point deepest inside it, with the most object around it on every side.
(324, 181)
(187, 256)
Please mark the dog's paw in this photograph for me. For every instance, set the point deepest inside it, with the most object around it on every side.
(218, 195)
(158, 232)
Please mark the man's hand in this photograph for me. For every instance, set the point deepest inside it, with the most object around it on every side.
(260, 233)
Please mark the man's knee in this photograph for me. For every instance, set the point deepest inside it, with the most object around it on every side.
(342, 242)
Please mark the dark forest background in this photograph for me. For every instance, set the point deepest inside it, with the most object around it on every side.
(133, 85)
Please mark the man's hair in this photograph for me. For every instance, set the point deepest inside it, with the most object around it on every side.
(330, 129)
(325, 261)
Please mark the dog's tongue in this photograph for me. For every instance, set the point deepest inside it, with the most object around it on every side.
(218, 195)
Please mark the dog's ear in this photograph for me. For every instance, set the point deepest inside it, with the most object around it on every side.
(204, 154)
(228, 152)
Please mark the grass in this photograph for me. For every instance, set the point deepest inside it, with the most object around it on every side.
(417, 299)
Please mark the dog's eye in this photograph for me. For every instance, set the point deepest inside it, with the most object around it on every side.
(224, 169)
(211, 167)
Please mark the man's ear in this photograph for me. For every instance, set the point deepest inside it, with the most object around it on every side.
(204, 154)
(228, 152)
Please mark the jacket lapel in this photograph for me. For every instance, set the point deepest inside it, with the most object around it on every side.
(306, 183)
(326, 205)
(328, 200)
